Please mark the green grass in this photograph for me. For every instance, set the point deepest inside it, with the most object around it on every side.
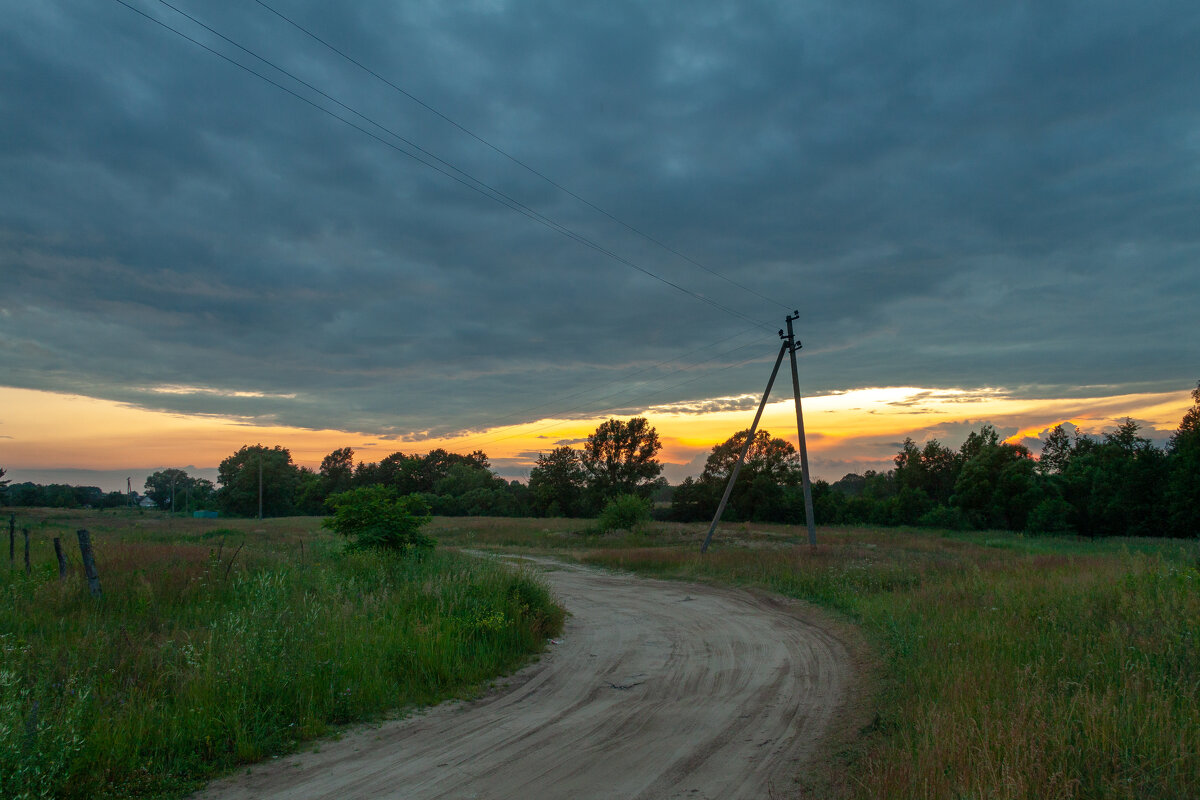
(1011, 666)
(217, 643)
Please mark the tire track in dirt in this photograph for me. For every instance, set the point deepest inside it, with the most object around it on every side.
(656, 690)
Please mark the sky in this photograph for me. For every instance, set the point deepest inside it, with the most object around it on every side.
(981, 212)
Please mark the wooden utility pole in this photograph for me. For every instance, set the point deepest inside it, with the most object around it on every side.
(793, 346)
(745, 448)
(790, 345)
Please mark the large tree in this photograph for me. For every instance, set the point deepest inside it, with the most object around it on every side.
(1056, 452)
(407, 474)
(1114, 485)
(557, 482)
(771, 466)
(239, 478)
(769, 456)
(436, 465)
(619, 458)
(997, 486)
(337, 471)
(924, 479)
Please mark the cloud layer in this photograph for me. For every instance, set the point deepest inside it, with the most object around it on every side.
(974, 197)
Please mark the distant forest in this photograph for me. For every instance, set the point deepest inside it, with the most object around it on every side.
(1117, 484)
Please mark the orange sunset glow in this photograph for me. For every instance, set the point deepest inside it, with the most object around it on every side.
(849, 431)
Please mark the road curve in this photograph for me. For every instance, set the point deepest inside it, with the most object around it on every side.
(655, 690)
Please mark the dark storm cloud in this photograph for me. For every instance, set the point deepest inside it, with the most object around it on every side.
(976, 196)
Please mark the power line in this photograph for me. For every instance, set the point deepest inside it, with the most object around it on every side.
(667, 389)
(466, 180)
(475, 441)
(513, 158)
(475, 185)
(631, 375)
(353, 111)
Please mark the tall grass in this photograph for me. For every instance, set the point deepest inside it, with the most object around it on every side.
(1015, 668)
(192, 661)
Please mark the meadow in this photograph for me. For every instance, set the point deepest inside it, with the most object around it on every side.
(217, 643)
(1003, 666)
(1007, 666)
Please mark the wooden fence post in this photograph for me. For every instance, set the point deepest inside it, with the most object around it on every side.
(62, 559)
(25, 533)
(89, 562)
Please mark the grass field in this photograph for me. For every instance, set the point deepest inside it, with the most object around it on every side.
(217, 643)
(1009, 666)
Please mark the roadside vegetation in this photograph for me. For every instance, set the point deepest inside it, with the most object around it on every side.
(1009, 666)
(219, 643)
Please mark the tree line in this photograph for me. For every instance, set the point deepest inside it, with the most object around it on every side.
(58, 495)
(618, 458)
(1119, 483)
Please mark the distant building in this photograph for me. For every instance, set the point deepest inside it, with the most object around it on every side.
(146, 502)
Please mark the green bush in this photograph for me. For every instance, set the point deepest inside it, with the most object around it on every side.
(376, 517)
(624, 512)
(942, 517)
(1052, 515)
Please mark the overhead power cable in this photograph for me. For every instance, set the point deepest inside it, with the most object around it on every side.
(591, 388)
(475, 441)
(553, 425)
(513, 158)
(468, 181)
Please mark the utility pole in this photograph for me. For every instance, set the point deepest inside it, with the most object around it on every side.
(745, 447)
(793, 346)
(129, 490)
(790, 345)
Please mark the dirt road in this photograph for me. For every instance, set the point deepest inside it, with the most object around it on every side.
(655, 690)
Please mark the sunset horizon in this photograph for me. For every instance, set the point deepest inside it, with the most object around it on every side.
(53, 436)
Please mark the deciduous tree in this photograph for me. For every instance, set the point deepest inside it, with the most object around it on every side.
(775, 458)
(557, 482)
(239, 478)
(1056, 452)
(619, 458)
(337, 470)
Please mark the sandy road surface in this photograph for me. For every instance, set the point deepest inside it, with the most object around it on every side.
(655, 690)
